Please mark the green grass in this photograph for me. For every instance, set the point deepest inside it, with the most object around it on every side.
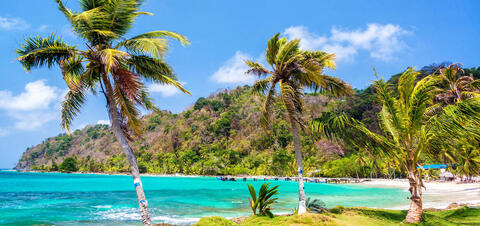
(359, 216)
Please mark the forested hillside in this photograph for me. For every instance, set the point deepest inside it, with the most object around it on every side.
(220, 134)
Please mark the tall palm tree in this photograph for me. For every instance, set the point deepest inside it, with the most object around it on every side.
(457, 86)
(409, 129)
(469, 159)
(294, 69)
(115, 65)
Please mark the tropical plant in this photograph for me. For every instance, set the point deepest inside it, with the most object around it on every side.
(264, 201)
(294, 69)
(468, 163)
(315, 205)
(409, 127)
(457, 86)
(116, 64)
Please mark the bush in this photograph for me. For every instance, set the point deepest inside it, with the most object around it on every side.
(337, 209)
(69, 165)
(214, 221)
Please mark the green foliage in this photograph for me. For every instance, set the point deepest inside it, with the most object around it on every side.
(315, 205)
(264, 201)
(214, 221)
(203, 102)
(337, 209)
(69, 164)
(362, 216)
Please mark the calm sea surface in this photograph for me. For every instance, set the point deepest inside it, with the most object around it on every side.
(74, 199)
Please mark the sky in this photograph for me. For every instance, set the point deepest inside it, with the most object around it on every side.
(387, 35)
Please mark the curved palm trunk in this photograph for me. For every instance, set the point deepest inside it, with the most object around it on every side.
(298, 156)
(117, 130)
(414, 214)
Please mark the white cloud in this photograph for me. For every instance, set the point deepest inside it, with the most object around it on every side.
(380, 41)
(165, 90)
(43, 27)
(36, 96)
(11, 23)
(233, 71)
(35, 106)
(4, 132)
(103, 122)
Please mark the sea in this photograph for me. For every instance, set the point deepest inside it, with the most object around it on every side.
(34, 198)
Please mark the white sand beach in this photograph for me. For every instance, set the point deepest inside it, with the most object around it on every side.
(436, 194)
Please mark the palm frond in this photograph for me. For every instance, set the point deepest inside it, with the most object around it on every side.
(154, 70)
(38, 52)
(71, 106)
(256, 69)
(155, 47)
(266, 116)
(164, 34)
(72, 70)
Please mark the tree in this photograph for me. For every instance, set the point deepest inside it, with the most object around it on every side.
(294, 69)
(457, 86)
(265, 199)
(69, 164)
(116, 64)
(409, 129)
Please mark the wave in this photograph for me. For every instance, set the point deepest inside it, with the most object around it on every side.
(126, 214)
(176, 220)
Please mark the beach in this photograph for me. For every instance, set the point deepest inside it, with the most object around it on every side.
(437, 195)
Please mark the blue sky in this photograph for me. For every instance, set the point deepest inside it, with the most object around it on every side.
(389, 36)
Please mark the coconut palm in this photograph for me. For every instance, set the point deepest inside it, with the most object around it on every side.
(469, 160)
(265, 199)
(294, 69)
(110, 62)
(409, 128)
(457, 86)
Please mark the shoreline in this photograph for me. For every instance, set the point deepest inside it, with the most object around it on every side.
(436, 195)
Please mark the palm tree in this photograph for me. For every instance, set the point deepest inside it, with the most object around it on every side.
(469, 160)
(409, 129)
(116, 65)
(457, 87)
(294, 69)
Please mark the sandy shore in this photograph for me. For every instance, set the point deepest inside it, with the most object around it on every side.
(436, 194)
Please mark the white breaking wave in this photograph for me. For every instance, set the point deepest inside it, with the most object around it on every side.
(132, 214)
(176, 220)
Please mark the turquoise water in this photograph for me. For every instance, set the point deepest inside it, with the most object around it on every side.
(73, 199)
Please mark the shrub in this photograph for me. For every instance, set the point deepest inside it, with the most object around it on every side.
(264, 202)
(337, 209)
(69, 165)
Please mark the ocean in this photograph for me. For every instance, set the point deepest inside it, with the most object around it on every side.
(81, 199)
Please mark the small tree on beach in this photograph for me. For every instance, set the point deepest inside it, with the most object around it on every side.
(294, 69)
(412, 126)
(116, 65)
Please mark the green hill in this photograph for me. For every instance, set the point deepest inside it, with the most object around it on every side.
(220, 134)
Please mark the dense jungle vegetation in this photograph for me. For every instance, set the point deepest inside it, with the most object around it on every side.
(221, 134)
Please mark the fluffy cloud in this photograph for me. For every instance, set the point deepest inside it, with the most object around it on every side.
(36, 105)
(380, 41)
(233, 71)
(165, 90)
(7, 23)
(103, 122)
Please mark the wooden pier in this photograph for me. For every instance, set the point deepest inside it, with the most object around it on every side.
(305, 179)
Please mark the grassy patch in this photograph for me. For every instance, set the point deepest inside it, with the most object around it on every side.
(359, 216)
(220, 221)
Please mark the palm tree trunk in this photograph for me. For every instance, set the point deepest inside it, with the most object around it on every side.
(298, 156)
(414, 214)
(117, 130)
